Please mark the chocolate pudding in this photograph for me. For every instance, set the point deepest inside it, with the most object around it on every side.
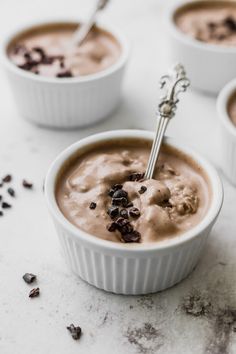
(102, 191)
(49, 51)
(231, 107)
(209, 21)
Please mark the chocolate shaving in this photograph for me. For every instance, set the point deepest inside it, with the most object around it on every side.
(27, 184)
(134, 212)
(124, 226)
(29, 278)
(74, 331)
(7, 179)
(111, 227)
(142, 189)
(67, 73)
(6, 205)
(34, 292)
(133, 236)
(124, 213)
(120, 193)
(230, 23)
(136, 176)
(120, 202)
(11, 192)
(92, 205)
(113, 212)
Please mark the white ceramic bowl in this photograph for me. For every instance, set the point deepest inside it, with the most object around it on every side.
(228, 133)
(208, 66)
(67, 102)
(140, 269)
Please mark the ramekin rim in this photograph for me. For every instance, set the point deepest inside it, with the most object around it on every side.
(74, 80)
(222, 102)
(175, 31)
(216, 202)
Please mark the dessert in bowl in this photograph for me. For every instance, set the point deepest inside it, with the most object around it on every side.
(226, 106)
(59, 84)
(123, 233)
(203, 37)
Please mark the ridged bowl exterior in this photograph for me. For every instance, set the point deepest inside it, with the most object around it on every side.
(228, 133)
(131, 269)
(66, 105)
(121, 273)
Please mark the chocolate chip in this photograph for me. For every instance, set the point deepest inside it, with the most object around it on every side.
(5, 205)
(67, 73)
(0, 197)
(29, 278)
(136, 176)
(133, 236)
(28, 65)
(40, 51)
(113, 212)
(111, 226)
(114, 188)
(27, 184)
(7, 178)
(117, 186)
(74, 331)
(92, 205)
(230, 23)
(120, 202)
(134, 212)
(124, 213)
(34, 292)
(1, 184)
(124, 226)
(142, 189)
(27, 56)
(46, 60)
(11, 192)
(129, 205)
(1, 213)
(120, 193)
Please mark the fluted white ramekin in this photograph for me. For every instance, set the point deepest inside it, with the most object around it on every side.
(209, 66)
(228, 132)
(66, 102)
(137, 268)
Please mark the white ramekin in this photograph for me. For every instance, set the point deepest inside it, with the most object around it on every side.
(208, 66)
(67, 102)
(228, 133)
(131, 269)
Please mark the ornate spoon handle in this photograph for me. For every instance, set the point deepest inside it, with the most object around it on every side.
(174, 83)
(82, 32)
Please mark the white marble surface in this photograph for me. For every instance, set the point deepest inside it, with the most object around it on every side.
(28, 242)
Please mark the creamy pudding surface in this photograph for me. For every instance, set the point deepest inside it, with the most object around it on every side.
(102, 191)
(232, 108)
(209, 21)
(49, 51)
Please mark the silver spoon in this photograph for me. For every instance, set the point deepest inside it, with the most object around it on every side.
(174, 83)
(81, 33)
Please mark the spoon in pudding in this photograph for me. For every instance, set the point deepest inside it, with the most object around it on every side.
(174, 83)
(81, 33)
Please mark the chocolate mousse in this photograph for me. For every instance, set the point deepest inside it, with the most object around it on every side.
(209, 21)
(232, 108)
(103, 192)
(49, 51)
